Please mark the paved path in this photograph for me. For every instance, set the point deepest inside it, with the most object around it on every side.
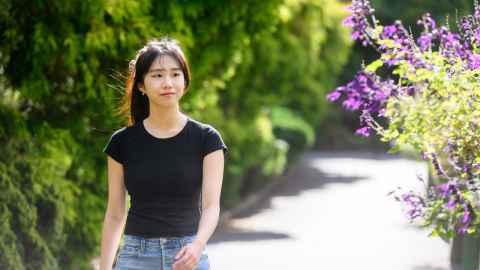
(331, 212)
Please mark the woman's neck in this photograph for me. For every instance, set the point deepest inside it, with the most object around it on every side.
(165, 118)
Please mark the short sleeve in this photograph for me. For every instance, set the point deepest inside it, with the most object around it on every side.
(113, 148)
(213, 141)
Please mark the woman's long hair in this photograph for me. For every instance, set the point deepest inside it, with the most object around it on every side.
(134, 105)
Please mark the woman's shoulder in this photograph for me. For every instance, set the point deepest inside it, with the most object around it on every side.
(122, 131)
(119, 131)
(211, 138)
(203, 126)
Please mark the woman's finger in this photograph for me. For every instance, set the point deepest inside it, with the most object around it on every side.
(180, 253)
(186, 256)
(180, 266)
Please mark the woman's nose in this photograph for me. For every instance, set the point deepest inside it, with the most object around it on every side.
(167, 82)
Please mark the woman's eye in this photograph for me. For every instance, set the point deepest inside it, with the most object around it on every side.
(157, 75)
(176, 74)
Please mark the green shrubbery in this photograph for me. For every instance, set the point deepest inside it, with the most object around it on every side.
(62, 66)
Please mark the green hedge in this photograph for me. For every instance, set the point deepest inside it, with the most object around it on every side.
(62, 67)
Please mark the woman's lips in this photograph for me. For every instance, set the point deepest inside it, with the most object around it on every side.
(168, 94)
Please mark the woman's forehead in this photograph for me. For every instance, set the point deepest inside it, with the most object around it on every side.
(165, 62)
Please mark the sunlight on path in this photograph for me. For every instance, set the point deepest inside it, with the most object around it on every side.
(333, 213)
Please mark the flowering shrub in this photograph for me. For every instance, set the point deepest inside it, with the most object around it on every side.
(431, 99)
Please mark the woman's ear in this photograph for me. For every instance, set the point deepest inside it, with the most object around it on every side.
(141, 87)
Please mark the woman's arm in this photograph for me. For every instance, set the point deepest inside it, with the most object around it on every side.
(115, 215)
(212, 186)
(213, 164)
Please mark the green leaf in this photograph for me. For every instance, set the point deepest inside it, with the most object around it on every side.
(372, 67)
(395, 149)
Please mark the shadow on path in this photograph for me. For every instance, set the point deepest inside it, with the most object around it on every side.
(428, 267)
(303, 176)
(230, 233)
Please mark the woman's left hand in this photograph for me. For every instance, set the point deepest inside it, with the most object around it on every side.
(189, 256)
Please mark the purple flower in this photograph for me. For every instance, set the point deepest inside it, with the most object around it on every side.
(382, 111)
(414, 203)
(451, 38)
(361, 10)
(451, 46)
(427, 22)
(474, 61)
(425, 41)
(466, 216)
(451, 204)
(357, 35)
(409, 90)
(462, 230)
(476, 11)
(389, 31)
(446, 189)
(477, 35)
(466, 26)
(349, 21)
(333, 96)
(437, 166)
(352, 104)
(392, 61)
(367, 92)
(408, 49)
(364, 131)
(413, 214)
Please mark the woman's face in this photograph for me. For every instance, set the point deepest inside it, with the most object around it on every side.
(164, 83)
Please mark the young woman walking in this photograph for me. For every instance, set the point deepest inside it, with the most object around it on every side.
(170, 164)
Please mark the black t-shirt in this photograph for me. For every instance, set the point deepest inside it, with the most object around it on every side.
(163, 176)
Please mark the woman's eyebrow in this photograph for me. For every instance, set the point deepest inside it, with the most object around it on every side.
(163, 69)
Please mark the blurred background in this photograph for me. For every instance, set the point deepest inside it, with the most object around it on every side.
(261, 71)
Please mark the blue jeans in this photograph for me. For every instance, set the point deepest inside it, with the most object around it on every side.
(140, 253)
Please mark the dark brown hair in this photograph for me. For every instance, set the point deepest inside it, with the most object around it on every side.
(135, 105)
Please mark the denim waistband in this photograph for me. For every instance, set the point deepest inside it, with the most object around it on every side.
(156, 241)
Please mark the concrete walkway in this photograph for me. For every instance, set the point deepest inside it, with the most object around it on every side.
(332, 212)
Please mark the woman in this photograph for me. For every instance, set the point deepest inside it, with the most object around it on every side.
(170, 164)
